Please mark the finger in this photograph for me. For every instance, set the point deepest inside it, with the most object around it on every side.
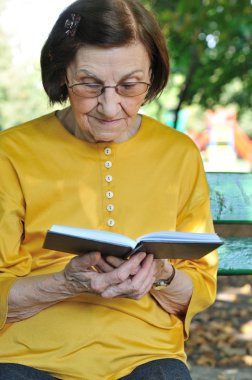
(114, 261)
(146, 265)
(142, 288)
(133, 264)
(117, 261)
(103, 266)
(134, 288)
(84, 262)
(128, 290)
(77, 270)
(118, 290)
(120, 274)
(146, 289)
(145, 276)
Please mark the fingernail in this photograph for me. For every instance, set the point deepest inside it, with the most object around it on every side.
(142, 255)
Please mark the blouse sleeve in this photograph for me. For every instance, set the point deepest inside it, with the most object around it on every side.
(14, 261)
(195, 216)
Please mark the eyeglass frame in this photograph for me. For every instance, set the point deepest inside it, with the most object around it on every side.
(103, 88)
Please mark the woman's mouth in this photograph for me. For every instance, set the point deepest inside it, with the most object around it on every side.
(108, 122)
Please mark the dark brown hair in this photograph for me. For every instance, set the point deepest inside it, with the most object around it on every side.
(102, 23)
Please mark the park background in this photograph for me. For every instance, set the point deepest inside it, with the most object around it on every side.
(209, 97)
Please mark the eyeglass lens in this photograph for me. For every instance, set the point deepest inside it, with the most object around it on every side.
(94, 90)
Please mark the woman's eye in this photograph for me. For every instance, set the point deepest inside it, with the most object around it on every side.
(128, 86)
(86, 80)
(92, 85)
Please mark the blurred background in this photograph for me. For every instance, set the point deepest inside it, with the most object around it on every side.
(209, 95)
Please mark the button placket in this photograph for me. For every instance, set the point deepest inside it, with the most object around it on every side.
(108, 178)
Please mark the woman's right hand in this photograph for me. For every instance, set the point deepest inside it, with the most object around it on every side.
(31, 294)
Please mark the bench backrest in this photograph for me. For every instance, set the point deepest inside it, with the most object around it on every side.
(231, 206)
(231, 203)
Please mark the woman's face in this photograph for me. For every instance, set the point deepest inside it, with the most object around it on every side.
(110, 116)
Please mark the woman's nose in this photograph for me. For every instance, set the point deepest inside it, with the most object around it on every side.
(109, 102)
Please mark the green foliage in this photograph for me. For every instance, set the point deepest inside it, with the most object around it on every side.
(211, 54)
(210, 46)
(21, 95)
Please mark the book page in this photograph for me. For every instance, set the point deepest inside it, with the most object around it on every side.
(97, 235)
(177, 236)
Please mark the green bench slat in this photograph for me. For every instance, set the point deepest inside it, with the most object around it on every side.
(235, 256)
(231, 197)
(231, 206)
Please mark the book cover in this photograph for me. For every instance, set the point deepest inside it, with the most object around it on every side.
(163, 245)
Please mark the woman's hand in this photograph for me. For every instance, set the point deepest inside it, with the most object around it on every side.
(29, 295)
(152, 269)
(132, 278)
(162, 269)
(114, 277)
(138, 283)
(173, 299)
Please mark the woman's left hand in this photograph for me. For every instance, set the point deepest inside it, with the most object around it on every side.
(174, 299)
(136, 285)
(140, 282)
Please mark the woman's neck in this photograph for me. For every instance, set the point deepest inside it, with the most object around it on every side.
(66, 117)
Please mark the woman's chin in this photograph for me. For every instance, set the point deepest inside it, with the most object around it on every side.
(105, 139)
(108, 137)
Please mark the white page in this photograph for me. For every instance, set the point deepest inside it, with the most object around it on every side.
(178, 236)
(104, 236)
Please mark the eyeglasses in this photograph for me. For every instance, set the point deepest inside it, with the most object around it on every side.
(93, 90)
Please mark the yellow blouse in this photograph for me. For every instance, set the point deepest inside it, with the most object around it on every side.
(155, 181)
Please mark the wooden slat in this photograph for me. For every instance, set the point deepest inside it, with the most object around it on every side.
(231, 205)
(235, 256)
(231, 197)
(233, 229)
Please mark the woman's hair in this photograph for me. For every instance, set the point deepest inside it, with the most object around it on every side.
(102, 23)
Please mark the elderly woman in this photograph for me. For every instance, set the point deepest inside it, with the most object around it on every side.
(100, 164)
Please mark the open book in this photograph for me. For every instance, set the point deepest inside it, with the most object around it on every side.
(170, 245)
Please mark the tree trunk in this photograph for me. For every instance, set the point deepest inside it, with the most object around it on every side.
(187, 83)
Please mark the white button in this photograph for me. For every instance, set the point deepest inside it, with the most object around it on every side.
(108, 178)
(109, 194)
(108, 164)
(111, 222)
(107, 151)
(110, 207)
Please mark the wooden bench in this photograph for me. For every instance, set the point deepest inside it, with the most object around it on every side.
(231, 205)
